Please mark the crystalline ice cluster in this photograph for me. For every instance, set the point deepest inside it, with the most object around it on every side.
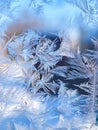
(48, 65)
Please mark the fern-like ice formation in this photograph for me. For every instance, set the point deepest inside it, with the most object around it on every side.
(48, 79)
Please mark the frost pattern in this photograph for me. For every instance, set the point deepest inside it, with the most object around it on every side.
(35, 70)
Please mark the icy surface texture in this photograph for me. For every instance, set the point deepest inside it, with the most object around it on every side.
(48, 64)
